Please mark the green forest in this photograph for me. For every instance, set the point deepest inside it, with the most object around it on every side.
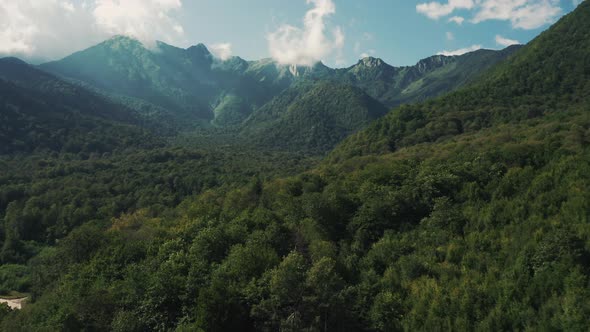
(320, 208)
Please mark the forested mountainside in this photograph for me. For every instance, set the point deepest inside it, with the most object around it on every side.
(312, 117)
(71, 154)
(188, 89)
(198, 88)
(41, 112)
(466, 212)
(429, 78)
(546, 78)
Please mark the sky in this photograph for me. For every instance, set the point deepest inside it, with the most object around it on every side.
(301, 32)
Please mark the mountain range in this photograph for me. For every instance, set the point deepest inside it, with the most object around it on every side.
(186, 89)
(132, 201)
(43, 112)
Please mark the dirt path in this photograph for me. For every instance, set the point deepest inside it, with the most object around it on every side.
(14, 303)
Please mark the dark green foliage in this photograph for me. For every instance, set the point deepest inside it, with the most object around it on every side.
(312, 117)
(29, 124)
(14, 278)
(42, 198)
(39, 112)
(460, 240)
(468, 213)
(4, 311)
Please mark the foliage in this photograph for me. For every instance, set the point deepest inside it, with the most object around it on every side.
(462, 239)
(311, 117)
(469, 212)
(544, 78)
(39, 113)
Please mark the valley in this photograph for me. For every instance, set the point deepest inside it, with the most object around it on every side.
(168, 189)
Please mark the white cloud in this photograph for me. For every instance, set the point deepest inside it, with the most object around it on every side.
(43, 29)
(450, 35)
(522, 14)
(460, 51)
(505, 41)
(222, 50)
(146, 20)
(367, 54)
(49, 29)
(436, 10)
(457, 19)
(15, 29)
(310, 44)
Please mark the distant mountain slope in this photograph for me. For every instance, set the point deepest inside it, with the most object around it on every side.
(387, 83)
(279, 124)
(170, 77)
(430, 77)
(190, 83)
(41, 112)
(391, 85)
(312, 116)
(455, 74)
(548, 76)
(197, 89)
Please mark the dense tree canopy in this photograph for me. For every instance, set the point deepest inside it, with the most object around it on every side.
(467, 212)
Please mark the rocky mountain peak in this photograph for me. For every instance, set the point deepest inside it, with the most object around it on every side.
(371, 62)
(199, 49)
(433, 62)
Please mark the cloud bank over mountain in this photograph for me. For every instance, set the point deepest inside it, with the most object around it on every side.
(522, 14)
(505, 42)
(221, 50)
(54, 28)
(146, 20)
(460, 51)
(291, 45)
(50, 29)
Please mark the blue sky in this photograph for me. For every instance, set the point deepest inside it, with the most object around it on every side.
(339, 32)
(390, 29)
